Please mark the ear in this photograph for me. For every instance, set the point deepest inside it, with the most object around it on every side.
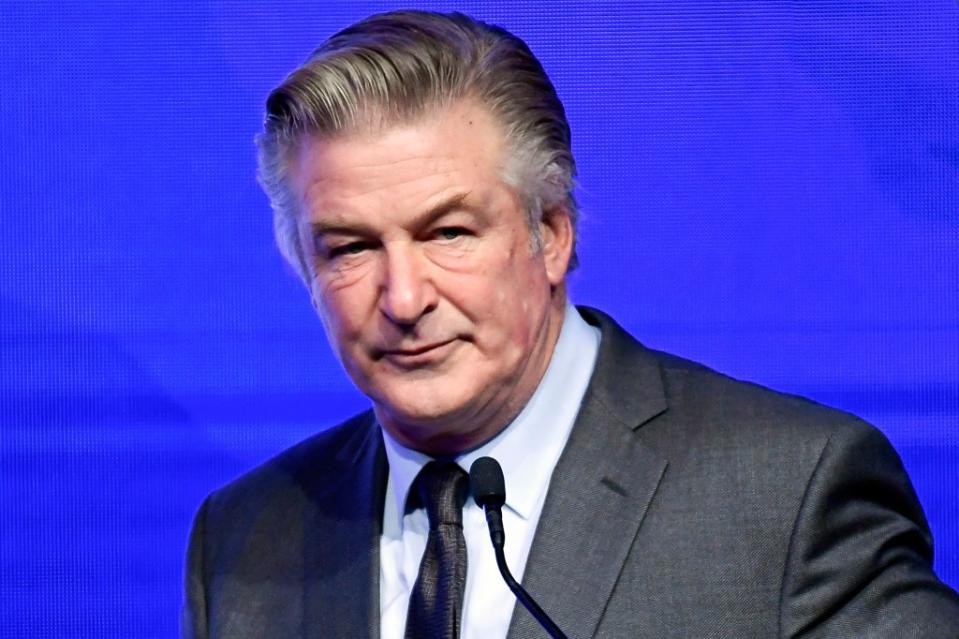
(556, 229)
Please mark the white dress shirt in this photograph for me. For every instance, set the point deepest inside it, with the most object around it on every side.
(527, 449)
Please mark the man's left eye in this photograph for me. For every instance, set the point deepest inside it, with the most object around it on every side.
(450, 233)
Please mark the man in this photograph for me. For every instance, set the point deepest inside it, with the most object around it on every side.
(420, 172)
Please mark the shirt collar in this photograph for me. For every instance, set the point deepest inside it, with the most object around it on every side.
(529, 447)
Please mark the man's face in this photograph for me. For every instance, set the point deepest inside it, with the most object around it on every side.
(424, 275)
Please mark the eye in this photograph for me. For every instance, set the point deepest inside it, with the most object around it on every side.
(346, 250)
(450, 233)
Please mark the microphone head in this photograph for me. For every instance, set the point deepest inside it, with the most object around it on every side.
(487, 484)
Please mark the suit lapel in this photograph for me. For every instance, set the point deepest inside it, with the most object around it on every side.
(342, 563)
(599, 491)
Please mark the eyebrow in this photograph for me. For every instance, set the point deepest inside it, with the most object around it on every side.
(321, 227)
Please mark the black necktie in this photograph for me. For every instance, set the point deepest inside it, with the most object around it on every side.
(436, 603)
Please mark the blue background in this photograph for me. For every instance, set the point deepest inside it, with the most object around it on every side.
(771, 188)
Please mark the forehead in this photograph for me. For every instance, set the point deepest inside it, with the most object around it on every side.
(462, 141)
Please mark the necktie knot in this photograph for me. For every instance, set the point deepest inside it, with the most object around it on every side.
(442, 487)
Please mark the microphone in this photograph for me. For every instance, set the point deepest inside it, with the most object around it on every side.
(489, 491)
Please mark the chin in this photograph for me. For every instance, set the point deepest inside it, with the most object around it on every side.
(417, 407)
(430, 431)
(421, 413)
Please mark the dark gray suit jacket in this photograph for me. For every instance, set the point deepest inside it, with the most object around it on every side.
(686, 504)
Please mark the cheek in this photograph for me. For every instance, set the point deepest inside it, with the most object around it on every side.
(518, 301)
(341, 309)
(522, 283)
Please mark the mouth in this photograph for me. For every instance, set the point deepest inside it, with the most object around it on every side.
(415, 355)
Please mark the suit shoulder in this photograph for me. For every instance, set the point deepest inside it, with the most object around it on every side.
(286, 470)
(721, 401)
(694, 403)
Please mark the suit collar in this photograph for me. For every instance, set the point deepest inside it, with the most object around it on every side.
(600, 489)
(627, 381)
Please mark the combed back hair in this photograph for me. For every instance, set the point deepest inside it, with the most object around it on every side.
(394, 68)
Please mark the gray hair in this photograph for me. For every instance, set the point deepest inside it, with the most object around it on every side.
(392, 68)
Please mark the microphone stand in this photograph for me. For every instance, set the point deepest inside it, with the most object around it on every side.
(488, 487)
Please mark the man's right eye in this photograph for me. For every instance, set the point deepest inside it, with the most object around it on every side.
(346, 250)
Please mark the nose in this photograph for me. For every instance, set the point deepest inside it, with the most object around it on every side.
(407, 291)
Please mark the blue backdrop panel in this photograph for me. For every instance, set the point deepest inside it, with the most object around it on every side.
(770, 188)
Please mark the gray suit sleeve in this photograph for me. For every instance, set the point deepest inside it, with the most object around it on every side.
(860, 556)
(193, 617)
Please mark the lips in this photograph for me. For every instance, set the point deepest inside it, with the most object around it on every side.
(415, 354)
